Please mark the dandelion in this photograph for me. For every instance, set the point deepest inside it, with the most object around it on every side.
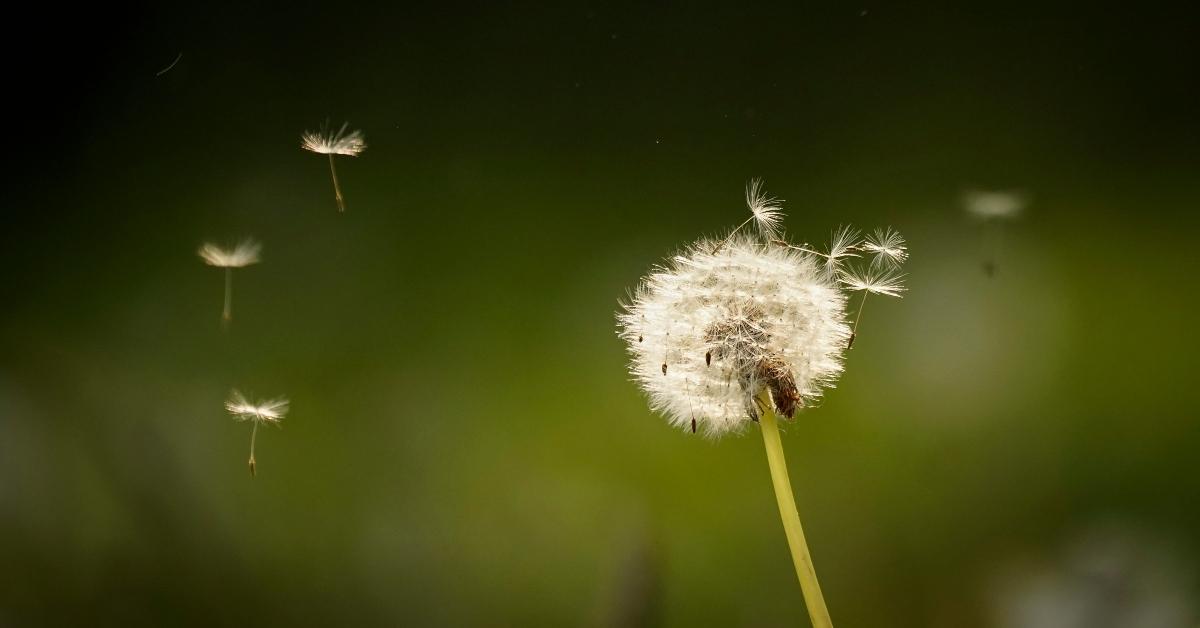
(341, 142)
(270, 411)
(725, 336)
(993, 208)
(244, 254)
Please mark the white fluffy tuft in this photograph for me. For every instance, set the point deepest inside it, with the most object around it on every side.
(329, 142)
(244, 254)
(265, 411)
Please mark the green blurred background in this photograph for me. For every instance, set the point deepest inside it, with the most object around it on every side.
(464, 447)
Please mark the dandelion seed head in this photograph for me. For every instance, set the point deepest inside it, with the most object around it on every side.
(888, 248)
(264, 411)
(767, 210)
(244, 254)
(710, 333)
(329, 142)
(994, 205)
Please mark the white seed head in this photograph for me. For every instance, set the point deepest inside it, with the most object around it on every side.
(993, 205)
(264, 411)
(888, 248)
(712, 334)
(888, 282)
(767, 210)
(244, 254)
(328, 142)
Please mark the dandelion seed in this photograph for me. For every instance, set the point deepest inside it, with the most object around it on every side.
(269, 411)
(244, 254)
(765, 211)
(842, 246)
(888, 248)
(341, 142)
(993, 208)
(888, 283)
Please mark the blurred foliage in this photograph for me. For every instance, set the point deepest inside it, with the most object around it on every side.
(464, 446)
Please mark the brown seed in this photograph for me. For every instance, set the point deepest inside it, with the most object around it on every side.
(639, 338)
(664, 368)
(850, 345)
(708, 358)
(693, 425)
(781, 384)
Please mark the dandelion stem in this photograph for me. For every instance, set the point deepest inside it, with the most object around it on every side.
(337, 189)
(253, 434)
(227, 313)
(817, 611)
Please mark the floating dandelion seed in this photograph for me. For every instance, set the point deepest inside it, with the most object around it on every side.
(730, 333)
(766, 212)
(269, 411)
(244, 254)
(341, 142)
(993, 208)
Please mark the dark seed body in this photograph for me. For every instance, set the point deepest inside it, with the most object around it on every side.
(781, 384)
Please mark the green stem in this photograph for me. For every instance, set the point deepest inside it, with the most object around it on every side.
(791, 523)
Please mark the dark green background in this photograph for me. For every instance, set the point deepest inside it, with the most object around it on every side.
(464, 447)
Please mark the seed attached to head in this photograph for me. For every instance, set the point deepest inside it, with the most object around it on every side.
(708, 358)
(781, 384)
(664, 368)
